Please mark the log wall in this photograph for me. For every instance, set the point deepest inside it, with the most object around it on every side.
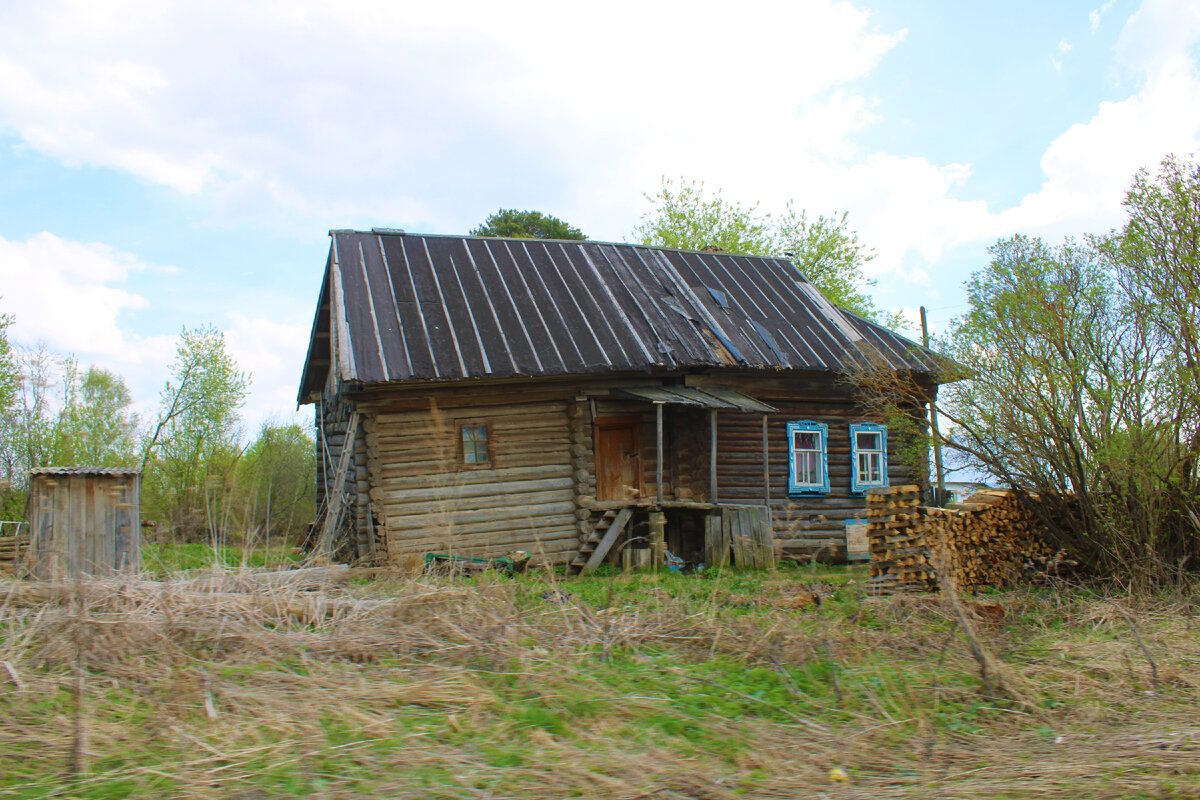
(430, 502)
(413, 496)
(806, 525)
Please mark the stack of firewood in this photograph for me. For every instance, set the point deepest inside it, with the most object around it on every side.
(990, 540)
(899, 546)
(12, 549)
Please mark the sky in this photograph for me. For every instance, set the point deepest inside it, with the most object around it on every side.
(172, 164)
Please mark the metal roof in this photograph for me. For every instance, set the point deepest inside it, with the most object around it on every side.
(85, 471)
(402, 307)
(691, 396)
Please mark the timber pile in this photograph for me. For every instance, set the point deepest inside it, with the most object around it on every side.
(990, 540)
(899, 544)
(12, 550)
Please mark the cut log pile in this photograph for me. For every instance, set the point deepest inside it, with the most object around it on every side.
(12, 550)
(990, 540)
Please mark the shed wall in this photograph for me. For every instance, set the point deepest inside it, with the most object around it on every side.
(84, 524)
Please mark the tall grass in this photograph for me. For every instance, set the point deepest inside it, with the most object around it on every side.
(629, 686)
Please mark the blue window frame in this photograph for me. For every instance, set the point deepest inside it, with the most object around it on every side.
(868, 454)
(808, 457)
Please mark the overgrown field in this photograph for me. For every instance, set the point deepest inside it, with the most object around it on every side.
(645, 686)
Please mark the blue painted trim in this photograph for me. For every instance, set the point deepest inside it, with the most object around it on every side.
(795, 489)
(857, 486)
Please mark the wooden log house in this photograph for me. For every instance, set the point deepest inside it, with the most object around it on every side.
(578, 399)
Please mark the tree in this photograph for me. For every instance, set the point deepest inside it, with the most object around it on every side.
(97, 426)
(508, 222)
(824, 249)
(1075, 381)
(10, 381)
(687, 219)
(276, 475)
(190, 456)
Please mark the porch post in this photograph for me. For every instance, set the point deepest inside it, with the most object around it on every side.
(658, 462)
(766, 467)
(712, 457)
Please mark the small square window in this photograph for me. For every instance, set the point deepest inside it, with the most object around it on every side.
(474, 440)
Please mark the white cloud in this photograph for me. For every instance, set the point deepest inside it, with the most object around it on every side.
(68, 294)
(318, 113)
(1088, 167)
(1094, 16)
(273, 352)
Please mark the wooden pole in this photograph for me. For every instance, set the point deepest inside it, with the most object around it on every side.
(766, 466)
(933, 424)
(658, 461)
(712, 457)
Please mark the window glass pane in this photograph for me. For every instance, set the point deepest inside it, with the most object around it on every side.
(474, 442)
(868, 441)
(808, 440)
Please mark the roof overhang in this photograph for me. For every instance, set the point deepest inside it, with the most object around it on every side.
(709, 397)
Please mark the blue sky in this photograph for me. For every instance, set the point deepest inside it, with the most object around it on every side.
(171, 164)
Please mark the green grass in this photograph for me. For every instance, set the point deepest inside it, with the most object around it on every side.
(165, 559)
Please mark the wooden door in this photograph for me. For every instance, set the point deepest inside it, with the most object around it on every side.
(618, 458)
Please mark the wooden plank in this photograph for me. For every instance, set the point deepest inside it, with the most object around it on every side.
(764, 535)
(74, 501)
(733, 520)
(337, 497)
(606, 543)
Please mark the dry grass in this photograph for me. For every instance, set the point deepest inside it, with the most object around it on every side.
(665, 687)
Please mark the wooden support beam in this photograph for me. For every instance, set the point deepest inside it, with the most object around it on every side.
(766, 465)
(658, 461)
(658, 539)
(336, 496)
(712, 458)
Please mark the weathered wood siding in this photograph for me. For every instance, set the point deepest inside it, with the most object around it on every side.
(430, 502)
(84, 524)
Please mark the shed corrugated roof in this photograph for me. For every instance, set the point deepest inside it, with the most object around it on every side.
(401, 307)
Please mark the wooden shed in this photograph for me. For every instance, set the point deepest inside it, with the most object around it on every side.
(480, 395)
(84, 521)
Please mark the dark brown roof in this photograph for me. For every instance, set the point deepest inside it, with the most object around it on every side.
(401, 307)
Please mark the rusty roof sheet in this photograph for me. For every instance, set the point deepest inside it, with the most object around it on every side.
(402, 307)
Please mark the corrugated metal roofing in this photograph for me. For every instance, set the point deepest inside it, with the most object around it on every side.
(704, 398)
(85, 471)
(401, 307)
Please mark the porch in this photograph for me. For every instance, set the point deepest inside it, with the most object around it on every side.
(666, 525)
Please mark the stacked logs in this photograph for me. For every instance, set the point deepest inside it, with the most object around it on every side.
(898, 542)
(12, 550)
(990, 540)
